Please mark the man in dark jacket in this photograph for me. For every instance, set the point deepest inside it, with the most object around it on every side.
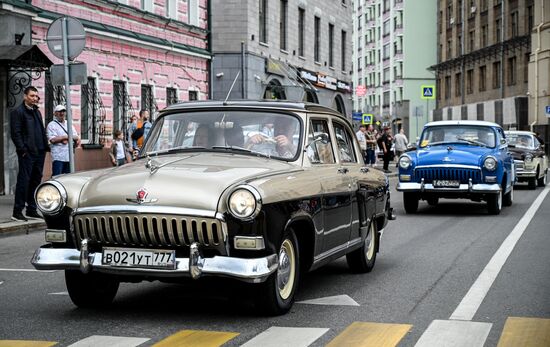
(29, 136)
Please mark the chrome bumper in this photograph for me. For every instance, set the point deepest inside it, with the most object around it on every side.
(422, 187)
(248, 270)
(525, 173)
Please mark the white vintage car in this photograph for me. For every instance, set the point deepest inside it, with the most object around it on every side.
(259, 191)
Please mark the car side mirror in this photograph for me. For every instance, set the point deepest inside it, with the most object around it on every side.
(503, 141)
(322, 138)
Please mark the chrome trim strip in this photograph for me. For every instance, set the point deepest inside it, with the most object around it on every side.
(253, 270)
(122, 209)
(336, 249)
(463, 188)
(448, 166)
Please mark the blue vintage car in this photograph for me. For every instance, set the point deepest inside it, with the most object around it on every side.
(458, 160)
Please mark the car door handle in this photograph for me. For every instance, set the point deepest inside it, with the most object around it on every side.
(343, 170)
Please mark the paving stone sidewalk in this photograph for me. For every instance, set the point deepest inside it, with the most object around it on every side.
(8, 226)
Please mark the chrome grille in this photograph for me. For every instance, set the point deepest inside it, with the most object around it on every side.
(448, 173)
(519, 164)
(147, 230)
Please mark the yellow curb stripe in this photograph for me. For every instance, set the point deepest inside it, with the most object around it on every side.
(528, 332)
(366, 334)
(196, 338)
(24, 343)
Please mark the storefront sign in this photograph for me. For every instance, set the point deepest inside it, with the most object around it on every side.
(330, 83)
(274, 67)
(308, 75)
(344, 86)
(321, 80)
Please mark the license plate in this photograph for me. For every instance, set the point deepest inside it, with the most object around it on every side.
(446, 184)
(144, 258)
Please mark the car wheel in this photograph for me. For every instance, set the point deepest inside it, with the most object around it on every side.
(494, 203)
(362, 260)
(277, 294)
(509, 197)
(433, 201)
(532, 183)
(410, 200)
(542, 181)
(90, 290)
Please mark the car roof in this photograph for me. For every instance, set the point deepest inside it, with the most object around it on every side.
(462, 122)
(519, 132)
(273, 104)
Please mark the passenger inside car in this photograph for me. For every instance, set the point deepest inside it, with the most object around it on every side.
(202, 136)
(234, 136)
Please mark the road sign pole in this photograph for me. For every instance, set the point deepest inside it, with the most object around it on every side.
(68, 93)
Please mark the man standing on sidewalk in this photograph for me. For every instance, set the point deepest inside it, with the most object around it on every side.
(29, 136)
(401, 143)
(362, 141)
(58, 135)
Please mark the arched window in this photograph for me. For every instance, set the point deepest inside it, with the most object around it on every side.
(274, 90)
(310, 96)
(338, 104)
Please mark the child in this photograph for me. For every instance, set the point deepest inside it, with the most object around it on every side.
(119, 150)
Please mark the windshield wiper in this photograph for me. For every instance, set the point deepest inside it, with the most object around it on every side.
(241, 149)
(473, 142)
(172, 150)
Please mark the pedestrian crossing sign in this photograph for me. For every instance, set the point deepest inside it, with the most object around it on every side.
(428, 92)
(367, 118)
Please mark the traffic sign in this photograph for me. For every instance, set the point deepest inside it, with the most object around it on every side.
(76, 37)
(428, 92)
(367, 118)
(358, 116)
(548, 111)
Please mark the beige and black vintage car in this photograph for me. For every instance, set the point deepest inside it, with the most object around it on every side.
(260, 191)
(529, 158)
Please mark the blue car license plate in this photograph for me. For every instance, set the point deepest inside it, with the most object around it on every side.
(446, 184)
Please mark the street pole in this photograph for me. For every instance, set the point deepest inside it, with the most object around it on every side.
(68, 93)
(427, 110)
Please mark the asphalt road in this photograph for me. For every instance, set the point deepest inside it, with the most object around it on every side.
(427, 265)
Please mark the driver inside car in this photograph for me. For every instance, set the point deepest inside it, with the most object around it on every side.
(280, 144)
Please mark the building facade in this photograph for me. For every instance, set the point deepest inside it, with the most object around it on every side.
(394, 45)
(484, 48)
(283, 49)
(140, 54)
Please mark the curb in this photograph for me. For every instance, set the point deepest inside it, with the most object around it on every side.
(13, 227)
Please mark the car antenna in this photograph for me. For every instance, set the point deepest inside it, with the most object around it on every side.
(230, 89)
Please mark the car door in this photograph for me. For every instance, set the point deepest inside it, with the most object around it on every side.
(507, 159)
(334, 182)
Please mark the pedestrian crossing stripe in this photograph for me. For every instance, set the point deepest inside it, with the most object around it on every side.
(517, 331)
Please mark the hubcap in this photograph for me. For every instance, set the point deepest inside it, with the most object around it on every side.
(369, 242)
(286, 271)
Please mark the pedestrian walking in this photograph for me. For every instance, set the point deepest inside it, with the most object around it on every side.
(31, 144)
(401, 143)
(58, 136)
(140, 130)
(120, 153)
(370, 136)
(361, 137)
(385, 142)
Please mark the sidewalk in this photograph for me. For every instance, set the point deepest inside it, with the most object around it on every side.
(8, 226)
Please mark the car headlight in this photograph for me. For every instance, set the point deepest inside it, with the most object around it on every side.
(50, 197)
(490, 163)
(244, 203)
(528, 158)
(404, 162)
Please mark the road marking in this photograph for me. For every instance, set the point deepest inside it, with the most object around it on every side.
(343, 300)
(447, 333)
(201, 338)
(59, 293)
(286, 336)
(473, 299)
(367, 334)
(111, 341)
(26, 270)
(519, 331)
(26, 343)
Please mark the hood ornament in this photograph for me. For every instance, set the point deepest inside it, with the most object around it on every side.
(141, 197)
(449, 148)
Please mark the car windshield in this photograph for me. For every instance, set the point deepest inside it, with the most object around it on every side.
(520, 140)
(254, 132)
(474, 135)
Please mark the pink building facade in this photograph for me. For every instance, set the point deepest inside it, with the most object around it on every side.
(140, 54)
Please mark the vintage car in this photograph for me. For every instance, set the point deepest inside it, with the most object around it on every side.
(259, 191)
(529, 157)
(458, 159)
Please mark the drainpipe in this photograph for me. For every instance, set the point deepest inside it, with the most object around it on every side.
(462, 51)
(502, 36)
(541, 24)
(209, 47)
(243, 79)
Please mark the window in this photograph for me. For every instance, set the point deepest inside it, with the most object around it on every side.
(459, 12)
(526, 68)
(482, 78)
(498, 30)
(193, 95)
(530, 21)
(263, 21)
(283, 24)
(386, 28)
(172, 9)
(458, 84)
(470, 81)
(514, 25)
(343, 50)
(484, 35)
(331, 45)
(193, 12)
(459, 45)
(317, 42)
(447, 87)
(345, 144)
(120, 102)
(496, 74)
(386, 75)
(88, 111)
(319, 148)
(449, 48)
(386, 51)
(450, 18)
(471, 40)
(386, 99)
(147, 99)
(512, 75)
(171, 96)
(484, 5)
(386, 5)
(147, 5)
(301, 31)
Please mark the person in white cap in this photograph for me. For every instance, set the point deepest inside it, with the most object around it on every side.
(58, 136)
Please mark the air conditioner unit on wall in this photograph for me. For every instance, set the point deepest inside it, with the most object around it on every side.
(473, 9)
(452, 21)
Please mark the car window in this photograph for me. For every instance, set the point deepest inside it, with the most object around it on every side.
(465, 134)
(319, 148)
(344, 143)
(520, 140)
